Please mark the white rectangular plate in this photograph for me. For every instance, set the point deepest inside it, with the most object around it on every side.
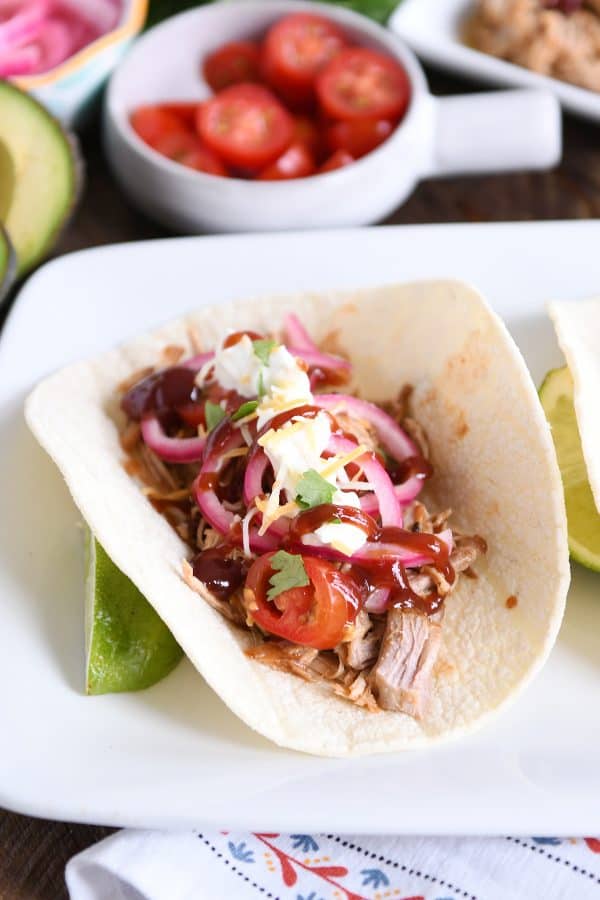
(174, 756)
(433, 28)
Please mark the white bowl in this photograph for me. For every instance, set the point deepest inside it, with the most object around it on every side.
(483, 132)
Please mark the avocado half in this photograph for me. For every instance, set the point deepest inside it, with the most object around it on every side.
(8, 264)
(40, 176)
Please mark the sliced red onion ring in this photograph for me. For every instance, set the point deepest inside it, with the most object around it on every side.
(21, 61)
(389, 507)
(315, 359)
(405, 493)
(394, 439)
(255, 470)
(175, 450)
(23, 24)
(377, 601)
(296, 334)
(253, 477)
(195, 363)
(368, 553)
(221, 519)
(102, 15)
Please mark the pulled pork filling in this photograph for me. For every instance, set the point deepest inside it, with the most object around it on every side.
(560, 38)
(300, 508)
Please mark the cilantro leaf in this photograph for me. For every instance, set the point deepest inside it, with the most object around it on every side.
(289, 572)
(313, 490)
(244, 410)
(263, 348)
(213, 413)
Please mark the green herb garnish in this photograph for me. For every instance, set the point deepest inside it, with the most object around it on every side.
(263, 348)
(244, 410)
(213, 413)
(313, 490)
(289, 572)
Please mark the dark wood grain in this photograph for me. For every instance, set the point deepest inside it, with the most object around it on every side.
(33, 852)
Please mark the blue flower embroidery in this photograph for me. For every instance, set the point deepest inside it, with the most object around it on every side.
(375, 877)
(311, 896)
(304, 842)
(240, 852)
(554, 841)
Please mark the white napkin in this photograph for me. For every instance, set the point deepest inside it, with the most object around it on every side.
(154, 865)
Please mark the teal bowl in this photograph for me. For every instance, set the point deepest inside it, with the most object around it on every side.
(69, 89)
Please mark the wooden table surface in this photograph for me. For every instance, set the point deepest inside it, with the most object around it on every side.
(33, 853)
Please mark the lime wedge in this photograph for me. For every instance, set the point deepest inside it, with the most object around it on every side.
(128, 646)
(556, 394)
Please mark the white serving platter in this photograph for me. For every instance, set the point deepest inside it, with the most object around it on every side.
(174, 756)
(433, 29)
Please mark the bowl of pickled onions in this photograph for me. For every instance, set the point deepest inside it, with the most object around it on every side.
(63, 50)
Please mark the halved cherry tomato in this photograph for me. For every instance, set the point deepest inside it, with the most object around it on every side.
(203, 160)
(233, 63)
(151, 123)
(246, 126)
(184, 110)
(358, 136)
(337, 160)
(176, 144)
(314, 615)
(296, 162)
(359, 83)
(295, 49)
(306, 131)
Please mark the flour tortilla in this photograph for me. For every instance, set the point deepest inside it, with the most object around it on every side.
(494, 462)
(578, 330)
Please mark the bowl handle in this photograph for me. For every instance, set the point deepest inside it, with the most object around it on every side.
(495, 131)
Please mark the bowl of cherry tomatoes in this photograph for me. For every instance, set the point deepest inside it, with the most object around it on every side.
(255, 115)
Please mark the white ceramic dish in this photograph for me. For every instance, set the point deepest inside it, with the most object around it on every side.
(437, 137)
(432, 28)
(174, 756)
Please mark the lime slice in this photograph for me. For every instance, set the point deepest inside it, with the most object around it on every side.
(128, 646)
(556, 394)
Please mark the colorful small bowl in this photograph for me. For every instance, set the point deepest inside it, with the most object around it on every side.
(69, 89)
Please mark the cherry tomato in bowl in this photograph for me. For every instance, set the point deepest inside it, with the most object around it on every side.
(358, 136)
(360, 83)
(152, 123)
(337, 160)
(296, 162)
(308, 131)
(296, 49)
(233, 63)
(246, 126)
(203, 160)
(314, 616)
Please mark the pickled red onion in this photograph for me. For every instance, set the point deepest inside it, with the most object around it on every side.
(221, 519)
(38, 35)
(296, 334)
(175, 450)
(393, 438)
(389, 506)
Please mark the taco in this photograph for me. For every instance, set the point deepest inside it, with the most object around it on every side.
(345, 506)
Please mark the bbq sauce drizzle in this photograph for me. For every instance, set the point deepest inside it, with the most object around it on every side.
(164, 391)
(381, 570)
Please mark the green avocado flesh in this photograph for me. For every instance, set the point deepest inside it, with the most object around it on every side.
(128, 646)
(38, 175)
(7, 264)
